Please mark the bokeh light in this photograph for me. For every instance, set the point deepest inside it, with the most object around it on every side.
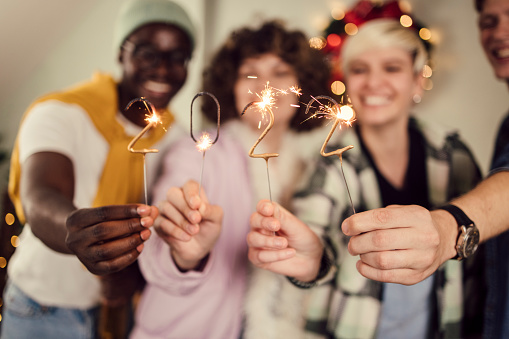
(317, 42)
(405, 20)
(425, 34)
(333, 40)
(405, 6)
(427, 72)
(428, 84)
(3, 263)
(337, 13)
(9, 219)
(351, 29)
(15, 241)
(338, 87)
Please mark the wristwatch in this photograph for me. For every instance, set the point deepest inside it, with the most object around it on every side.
(468, 237)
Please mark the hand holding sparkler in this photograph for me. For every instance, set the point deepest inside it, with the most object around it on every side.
(107, 239)
(189, 224)
(204, 143)
(153, 120)
(296, 251)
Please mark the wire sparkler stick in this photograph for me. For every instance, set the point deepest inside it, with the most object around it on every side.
(204, 142)
(153, 120)
(341, 114)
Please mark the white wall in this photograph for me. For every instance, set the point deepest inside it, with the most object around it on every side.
(70, 42)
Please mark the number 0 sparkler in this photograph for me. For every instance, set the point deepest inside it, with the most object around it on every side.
(204, 142)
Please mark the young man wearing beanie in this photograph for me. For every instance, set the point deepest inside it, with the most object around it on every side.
(76, 186)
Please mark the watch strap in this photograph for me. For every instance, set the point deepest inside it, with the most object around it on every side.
(461, 218)
(458, 214)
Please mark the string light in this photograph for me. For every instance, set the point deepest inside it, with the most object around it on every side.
(9, 219)
(15, 241)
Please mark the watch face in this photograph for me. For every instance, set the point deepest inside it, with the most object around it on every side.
(471, 241)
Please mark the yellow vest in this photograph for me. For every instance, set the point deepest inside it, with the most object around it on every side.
(122, 177)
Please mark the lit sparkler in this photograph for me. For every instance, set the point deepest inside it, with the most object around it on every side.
(342, 114)
(267, 101)
(205, 142)
(152, 119)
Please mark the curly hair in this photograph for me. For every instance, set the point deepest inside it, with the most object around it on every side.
(479, 4)
(313, 71)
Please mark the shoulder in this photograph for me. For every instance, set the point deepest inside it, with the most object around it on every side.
(440, 137)
(50, 111)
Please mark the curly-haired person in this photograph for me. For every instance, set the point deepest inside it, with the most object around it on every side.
(197, 267)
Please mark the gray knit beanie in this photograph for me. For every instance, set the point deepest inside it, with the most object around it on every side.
(136, 13)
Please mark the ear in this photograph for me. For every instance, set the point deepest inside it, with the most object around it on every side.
(419, 84)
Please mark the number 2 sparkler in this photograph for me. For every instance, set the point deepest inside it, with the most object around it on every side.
(153, 120)
(341, 114)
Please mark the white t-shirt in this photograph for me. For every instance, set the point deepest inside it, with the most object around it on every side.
(49, 277)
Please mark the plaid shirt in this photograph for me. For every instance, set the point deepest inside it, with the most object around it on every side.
(349, 305)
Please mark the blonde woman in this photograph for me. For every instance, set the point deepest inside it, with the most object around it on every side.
(396, 159)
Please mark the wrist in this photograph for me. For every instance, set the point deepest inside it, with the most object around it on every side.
(185, 265)
(448, 230)
(323, 267)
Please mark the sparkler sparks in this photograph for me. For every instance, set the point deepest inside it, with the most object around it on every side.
(152, 119)
(205, 142)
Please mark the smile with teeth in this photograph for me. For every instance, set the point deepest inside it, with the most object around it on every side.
(158, 87)
(376, 100)
(502, 53)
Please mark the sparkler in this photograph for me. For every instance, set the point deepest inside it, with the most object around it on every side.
(205, 142)
(152, 119)
(341, 114)
(267, 101)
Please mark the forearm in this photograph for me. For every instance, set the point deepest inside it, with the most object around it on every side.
(46, 211)
(487, 206)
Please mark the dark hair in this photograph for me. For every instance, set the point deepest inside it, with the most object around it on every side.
(312, 69)
(479, 4)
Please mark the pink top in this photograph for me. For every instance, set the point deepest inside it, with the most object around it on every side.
(205, 304)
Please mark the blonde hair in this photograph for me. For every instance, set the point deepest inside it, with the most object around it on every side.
(384, 33)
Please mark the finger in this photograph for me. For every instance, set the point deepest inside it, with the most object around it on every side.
(90, 216)
(147, 211)
(177, 199)
(384, 218)
(115, 264)
(258, 221)
(191, 194)
(213, 213)
(394, 239)
(399, 259)
(261, 257)
(258, 240)
(112, 249)
(107, 231)
(171, 224)
(400, 276)
(265, 208)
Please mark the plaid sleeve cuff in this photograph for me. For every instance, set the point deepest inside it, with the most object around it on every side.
(325, 273)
